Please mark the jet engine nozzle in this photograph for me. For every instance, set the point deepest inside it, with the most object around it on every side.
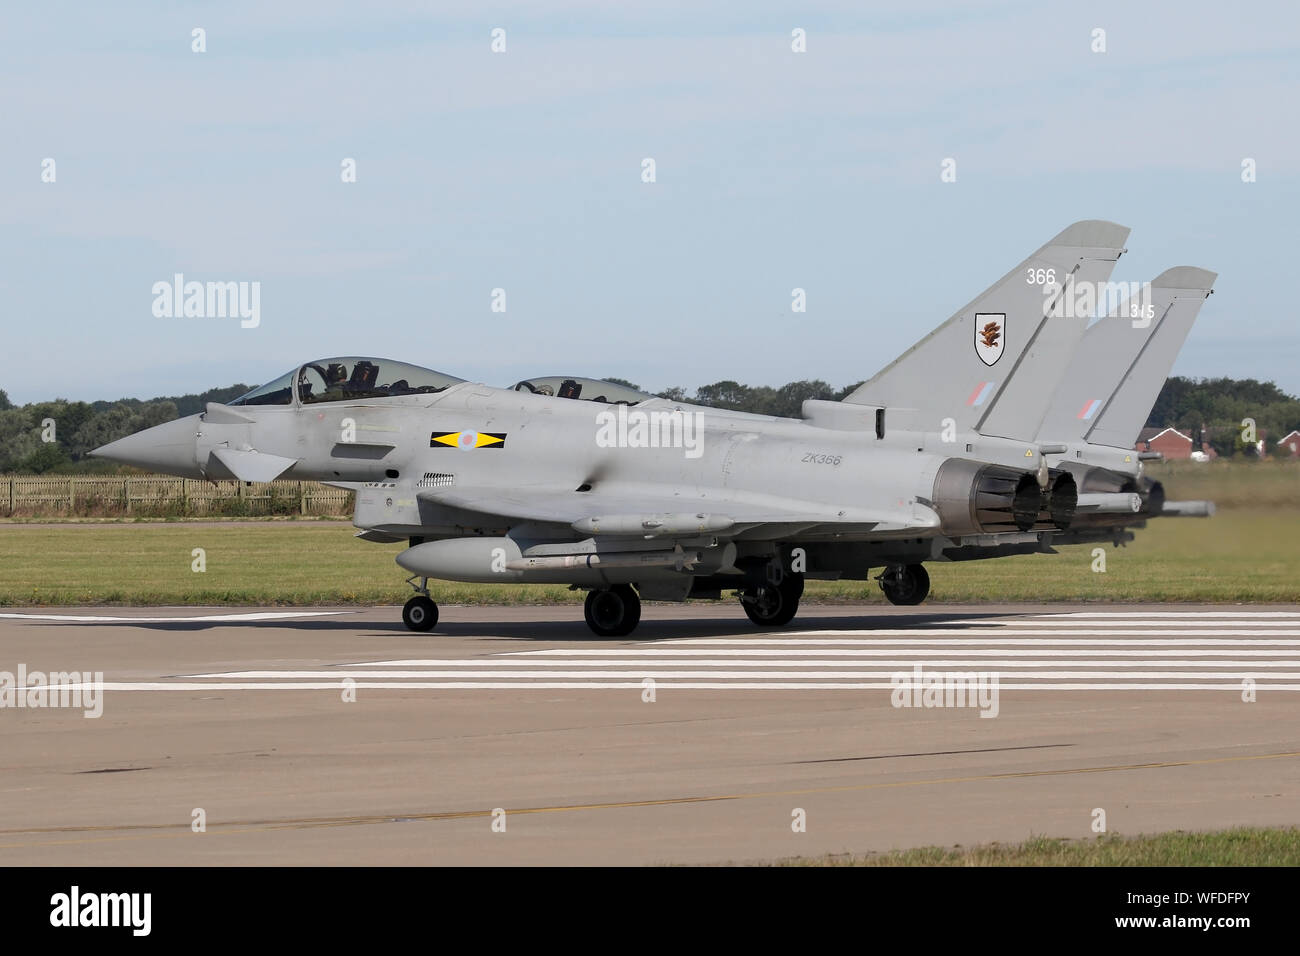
(976, 498)
(1062, 499)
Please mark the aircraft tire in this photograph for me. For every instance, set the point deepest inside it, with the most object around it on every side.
(909, 587)
(774, 605)
(614, 612)
(420, 613)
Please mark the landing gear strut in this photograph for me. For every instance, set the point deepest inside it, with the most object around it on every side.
(614, 612)
(773, 605)
(905, 584)
(420, 613)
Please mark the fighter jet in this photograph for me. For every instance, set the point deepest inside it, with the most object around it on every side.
(952, 452)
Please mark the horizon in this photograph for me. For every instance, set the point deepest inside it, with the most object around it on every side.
(690, 390)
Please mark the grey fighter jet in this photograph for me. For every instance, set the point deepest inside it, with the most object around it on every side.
(957, 450)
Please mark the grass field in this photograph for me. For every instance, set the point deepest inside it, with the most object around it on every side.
(1274, 483)
(1238, 555)
(1246, 846)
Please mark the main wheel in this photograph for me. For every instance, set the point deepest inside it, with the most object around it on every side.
(420, 613)
(773, 605)
(614, 612)
(906, 584)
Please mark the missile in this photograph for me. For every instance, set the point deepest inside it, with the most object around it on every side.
(625, 559)
(653, 526)
(1109, 503)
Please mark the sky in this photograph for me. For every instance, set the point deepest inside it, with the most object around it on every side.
(522, 171)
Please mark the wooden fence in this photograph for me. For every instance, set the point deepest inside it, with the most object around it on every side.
(162, 495)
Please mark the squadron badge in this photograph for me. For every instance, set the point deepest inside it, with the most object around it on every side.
(990, 336)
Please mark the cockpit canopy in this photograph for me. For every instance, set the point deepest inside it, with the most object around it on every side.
(587, 389)
(348, 379)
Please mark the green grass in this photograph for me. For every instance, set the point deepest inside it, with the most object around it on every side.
(1241, 555)
(291, 563)
(1274, 483)
(1244, 846)
(1234, 556)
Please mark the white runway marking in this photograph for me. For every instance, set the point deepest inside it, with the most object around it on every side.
(1174, 614)
(336, 686)
(978, 642)
(203, 618)
(1137, 629)
(662, 673)
(851, 652)
(638, 686)
(1141, 651)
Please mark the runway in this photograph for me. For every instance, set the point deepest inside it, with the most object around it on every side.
(334, 735)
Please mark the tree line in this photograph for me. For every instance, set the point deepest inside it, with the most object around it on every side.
(1210, 409)
(77, 428)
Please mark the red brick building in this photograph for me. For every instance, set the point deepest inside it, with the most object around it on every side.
(1170, 442)
(1290, 444)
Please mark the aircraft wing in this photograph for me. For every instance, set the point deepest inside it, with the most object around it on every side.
(655, 512)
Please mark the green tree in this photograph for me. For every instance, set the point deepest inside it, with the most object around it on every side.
(17, 438)
(788, 400)
(47, 456)
(622, 381)
(674, 394)
(725, 394)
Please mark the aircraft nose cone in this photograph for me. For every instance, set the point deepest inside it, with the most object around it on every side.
(169, 448)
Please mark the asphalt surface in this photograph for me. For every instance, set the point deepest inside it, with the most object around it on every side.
(1137, 711)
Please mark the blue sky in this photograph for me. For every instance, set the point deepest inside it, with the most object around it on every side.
(521, 171)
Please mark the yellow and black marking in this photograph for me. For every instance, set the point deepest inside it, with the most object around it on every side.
(467, 440)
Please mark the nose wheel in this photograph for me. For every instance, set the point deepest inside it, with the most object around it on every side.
(420, 613)
(905, 584)
(614, 612)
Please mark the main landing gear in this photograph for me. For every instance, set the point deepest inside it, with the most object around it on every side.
(905, 584)
(420, 613)
(773, 605)
(614, 611)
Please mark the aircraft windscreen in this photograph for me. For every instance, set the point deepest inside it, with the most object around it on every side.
(587, 389)
(349, 379)
(278, 392)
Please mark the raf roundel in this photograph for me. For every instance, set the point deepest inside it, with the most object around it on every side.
(467, 441)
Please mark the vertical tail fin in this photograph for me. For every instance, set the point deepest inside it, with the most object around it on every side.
(1140, 356)
(992, 365)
